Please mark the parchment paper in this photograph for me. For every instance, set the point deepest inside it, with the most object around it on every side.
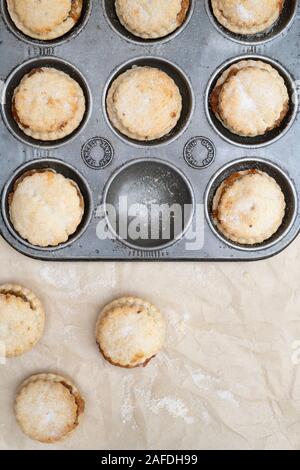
(227, 378)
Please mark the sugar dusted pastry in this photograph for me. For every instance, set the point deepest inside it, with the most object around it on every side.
(144, 103)
(45, 19)
(152, 19)
(48, 104)
(129, 332)
(250, 98)
(249, 207)
(22, 320)
(45, 207)
(247, 16)
(48, 407)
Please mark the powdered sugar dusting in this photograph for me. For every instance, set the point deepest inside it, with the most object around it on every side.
(127, 408)
(246, 101)
(177, 321)
(60, 278)
(206, 417)
(174, 406)
(126, 331)
(204, 381)
(67, 279)
(49, 417)
(133, 396)
(226, 395)
(243, 13)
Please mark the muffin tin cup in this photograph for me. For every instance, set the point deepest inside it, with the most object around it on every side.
(138, 182)
(184, 85)
(286, 184)
(13, 81)
(77, 28)
(279, 28)
(66, 170)
(113, 21)
(268, 138)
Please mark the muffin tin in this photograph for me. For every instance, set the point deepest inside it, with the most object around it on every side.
(183, 168)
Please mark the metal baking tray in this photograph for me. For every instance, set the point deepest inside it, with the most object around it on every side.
(184, 167)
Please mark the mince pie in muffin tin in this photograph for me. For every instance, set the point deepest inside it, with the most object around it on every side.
(48, 104)
(45, 19)
(152, 20)
(249, 207)
(45, 207)
(247, 16)
(144, 103)
(250, 98)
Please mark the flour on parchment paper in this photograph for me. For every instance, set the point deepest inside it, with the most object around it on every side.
(177, 323)
(172, 405)
(209, 383)
(204, 381)
(127, 408)
(226, 395)
(60, 278)
(75, 281)
(206, 417)
(132, 395)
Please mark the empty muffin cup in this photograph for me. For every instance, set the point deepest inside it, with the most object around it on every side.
(13, 81)
(149, 204)
(253, 166)
(269, 137)
(114, 22)
(83, 208)
(277, 29)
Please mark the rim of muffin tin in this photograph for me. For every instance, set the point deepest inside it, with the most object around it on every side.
(269, 137)
(184, 180)
(65, 169)
(112, 19)
(280, 27)
(77, 28)
(13, 81)
(281, 177)
(182, 81)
